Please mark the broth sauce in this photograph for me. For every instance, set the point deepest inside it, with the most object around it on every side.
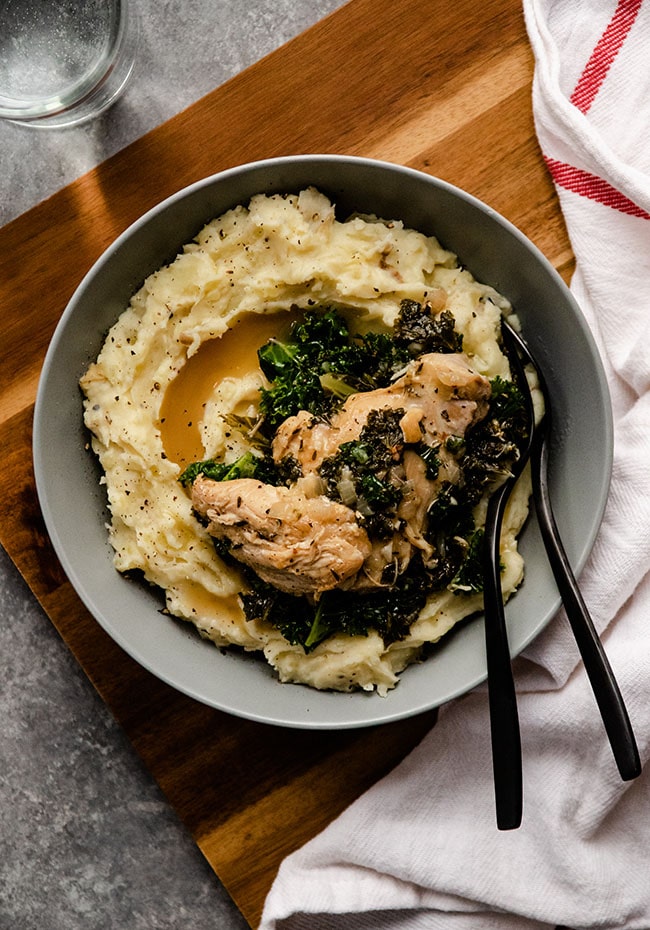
(231, 355)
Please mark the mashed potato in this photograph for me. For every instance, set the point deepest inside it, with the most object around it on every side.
(245, 275)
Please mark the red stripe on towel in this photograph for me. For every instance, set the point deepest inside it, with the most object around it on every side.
(605, 52)
(593, 187)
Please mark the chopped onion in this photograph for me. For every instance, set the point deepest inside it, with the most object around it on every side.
(347, 491)
(311, 485)
(364, 508)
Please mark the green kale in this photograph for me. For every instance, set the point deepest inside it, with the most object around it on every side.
(294, 368)
(319, 334)
(277, 358)
(379, 359)
(493, 445)
(485, 454)
(507, 403)
(321, 364)
(222, 547)
(469, 577)
(288, 470)
(289, 613)
(389, 611)
(450, 525)
(360, 473)
(455, 444)
(248, 465)
(420, 332)
(290, 393)
(430, 457)
(449, 514)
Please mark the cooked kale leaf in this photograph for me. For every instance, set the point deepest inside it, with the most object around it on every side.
(248, 465)
(419, 331)
(507, 404)
(430, 457)
(321, 363)
(389, 611)
(493, 445)
(360, 473)
(287, 612)
(469, 577)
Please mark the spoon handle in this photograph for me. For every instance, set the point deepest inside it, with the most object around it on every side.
(604, 685)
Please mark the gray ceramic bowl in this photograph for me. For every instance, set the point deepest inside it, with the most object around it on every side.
(74, 507)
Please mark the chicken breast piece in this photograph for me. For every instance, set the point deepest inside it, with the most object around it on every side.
(441, 395)
(299, 544)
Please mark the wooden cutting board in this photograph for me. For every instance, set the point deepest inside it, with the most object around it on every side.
(445, 88)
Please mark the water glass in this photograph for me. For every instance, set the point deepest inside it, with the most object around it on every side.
(63, 62)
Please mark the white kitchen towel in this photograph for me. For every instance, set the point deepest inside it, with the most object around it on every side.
(420, 849)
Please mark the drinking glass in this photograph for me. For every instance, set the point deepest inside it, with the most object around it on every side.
(63, 62)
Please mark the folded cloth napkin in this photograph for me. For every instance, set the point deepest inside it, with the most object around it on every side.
(420, 849)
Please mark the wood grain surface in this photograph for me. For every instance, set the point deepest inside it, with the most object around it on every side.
(445, 88)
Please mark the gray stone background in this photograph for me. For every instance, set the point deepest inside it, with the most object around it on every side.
(86, 838)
